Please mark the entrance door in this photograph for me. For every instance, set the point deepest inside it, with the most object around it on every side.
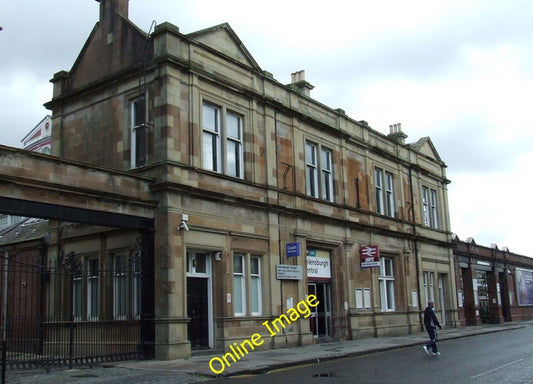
(504, 296)
(482, 295)
(199, 300)
(197, 311)
(320, 320)
(442, 300)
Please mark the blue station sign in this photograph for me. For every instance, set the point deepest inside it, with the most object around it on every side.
(292, 249)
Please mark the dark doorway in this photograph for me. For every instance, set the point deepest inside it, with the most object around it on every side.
(320, 320)
(197, 310)
(504, 296)
(483, 296)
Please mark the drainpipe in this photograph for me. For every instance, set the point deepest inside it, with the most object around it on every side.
(4, 311)
(279, 224)
(415, 241)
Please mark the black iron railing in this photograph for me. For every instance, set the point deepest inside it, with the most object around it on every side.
(73, 310)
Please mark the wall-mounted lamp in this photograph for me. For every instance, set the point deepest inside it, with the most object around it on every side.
(218, 256)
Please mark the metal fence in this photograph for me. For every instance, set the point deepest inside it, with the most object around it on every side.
(73, 310)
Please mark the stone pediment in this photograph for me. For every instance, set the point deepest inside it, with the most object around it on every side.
(223, 39)
(425, 146)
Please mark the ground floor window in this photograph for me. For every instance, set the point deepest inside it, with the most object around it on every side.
(386, 284)
(104, 287)
(127, 285)
(247, 287)
(429, 289)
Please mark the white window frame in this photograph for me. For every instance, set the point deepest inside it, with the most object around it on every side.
(234, 146)
(326, 167)
(255, 287)
(378, 182)
(425, 206)
(211, 137)
(384, 185)
(429, 282)
(311, 167)
(222, 146)
(239, 280)
(389, 194)
(319, 188)
(386, 284)
(249, 282)
(430, 207)
(433, 208)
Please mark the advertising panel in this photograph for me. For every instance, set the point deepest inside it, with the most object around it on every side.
(524, 286)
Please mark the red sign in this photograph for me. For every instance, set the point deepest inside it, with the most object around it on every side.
(369, 256)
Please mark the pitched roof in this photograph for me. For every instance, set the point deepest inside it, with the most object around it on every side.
(24, 230)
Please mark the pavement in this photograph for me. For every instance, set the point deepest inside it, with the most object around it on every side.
(261, 361)
(258, 361)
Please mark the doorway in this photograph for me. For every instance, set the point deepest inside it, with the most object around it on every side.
(482, 295)
(503, 297)
(442, 299)
(199, 300)
(320, 319)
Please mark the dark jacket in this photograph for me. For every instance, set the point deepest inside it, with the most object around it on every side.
(430, 320)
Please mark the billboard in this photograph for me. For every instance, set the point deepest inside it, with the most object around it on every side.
(524, 286)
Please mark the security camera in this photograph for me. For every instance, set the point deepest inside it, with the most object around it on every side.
(183, 225)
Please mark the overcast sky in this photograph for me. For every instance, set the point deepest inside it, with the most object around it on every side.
(458, 71)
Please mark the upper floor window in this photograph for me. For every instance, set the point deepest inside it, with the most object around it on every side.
(314, 164)
(139, 129)
(384, 184)
(222, 141)
(429, 206)
(327, 174)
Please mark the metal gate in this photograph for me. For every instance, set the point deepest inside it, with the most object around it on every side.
(71, 310)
